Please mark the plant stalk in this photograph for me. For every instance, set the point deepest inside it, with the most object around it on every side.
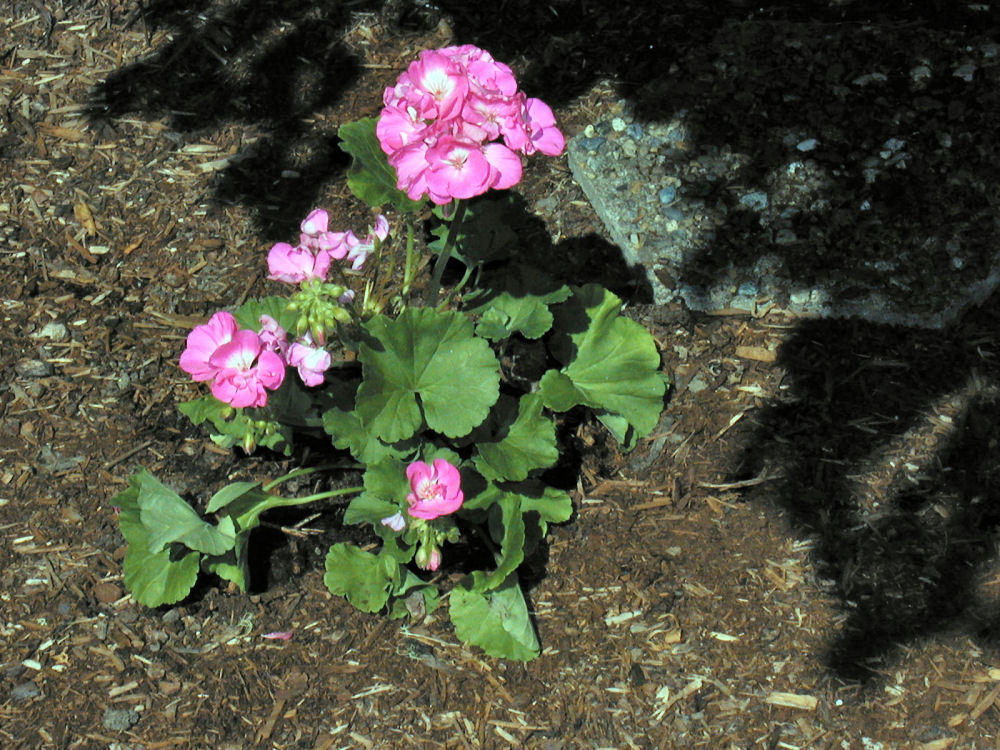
(443, 257)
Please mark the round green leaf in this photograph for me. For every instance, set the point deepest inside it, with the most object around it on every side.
(430, 355)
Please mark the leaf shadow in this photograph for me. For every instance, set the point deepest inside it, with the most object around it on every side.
(265, 65)
(902, 505)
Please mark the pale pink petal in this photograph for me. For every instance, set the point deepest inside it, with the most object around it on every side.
(317, 221)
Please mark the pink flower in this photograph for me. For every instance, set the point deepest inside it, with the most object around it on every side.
(317, 237)
(293, 265)
(359, 250)
(441, 83)
(456, 169)
(311, 361)
(273, 336)
(442, 121)
(202, 343)
(436, 489)
(245, 370)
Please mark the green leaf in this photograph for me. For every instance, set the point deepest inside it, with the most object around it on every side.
(552, 506)
(157, 578)
(231, 492)
(610, 361)
(529, 444)
(510, 535)
(365, 579)
(349, 433)
(516, 302)
(385, 492)
(410, 583)
(170, 519)
(231, 565)
(206, 407)
(248, 314)
(430, 354)
(558, 392)
(370, 177)
(497, 621)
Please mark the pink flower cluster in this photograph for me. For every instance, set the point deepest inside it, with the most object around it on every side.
(318, 247)
(244, 365)
(443, 120)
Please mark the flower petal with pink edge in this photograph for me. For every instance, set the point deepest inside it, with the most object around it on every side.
(506, 165)
(293, 265)
(310, 361)
(541, 125)
(202, 343)
(316, 222)
(444, 80)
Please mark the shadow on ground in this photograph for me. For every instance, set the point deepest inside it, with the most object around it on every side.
(270, 64)
(860, 401)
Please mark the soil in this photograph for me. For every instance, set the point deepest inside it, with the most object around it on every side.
(802, 555)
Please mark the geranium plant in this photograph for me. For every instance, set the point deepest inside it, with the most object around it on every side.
(451, 447)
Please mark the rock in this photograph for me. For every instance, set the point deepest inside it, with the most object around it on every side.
(52, 330)
(25, 691)
(119, 719)
(33, 368)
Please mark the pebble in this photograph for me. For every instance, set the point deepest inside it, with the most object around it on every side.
(755, 201)
(966, 72)
(52, 330)
(807, 145)
(119, 719)
(25, 691)
(634, 130)
(33, 368)
(618, 125)
(668, 194)
(785, 237)
(592, 144)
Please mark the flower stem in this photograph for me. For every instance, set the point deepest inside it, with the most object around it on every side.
(408, 268)
(325, 495)
(446, 250)
(304, 471)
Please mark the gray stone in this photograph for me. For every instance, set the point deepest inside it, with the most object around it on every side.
(797, 259)
(25, 691)
(119, 719)
(33, 368)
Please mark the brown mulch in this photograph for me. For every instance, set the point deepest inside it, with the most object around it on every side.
(801, 555)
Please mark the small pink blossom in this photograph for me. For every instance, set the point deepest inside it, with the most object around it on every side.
(436, 489)
(202, 343)
(293, 265)
(358, 250)
(245, 371)
(311, 361)
(396, 522)
(273, 336)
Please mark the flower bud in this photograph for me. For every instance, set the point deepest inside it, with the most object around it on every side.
(428, 558)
